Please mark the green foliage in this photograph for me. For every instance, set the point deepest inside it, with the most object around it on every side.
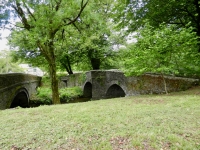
(67, 95)
(46, 82)
(74, 46)
(131, 14)
(166, 50)
(93, 41)
(7, 65)
(44, 96)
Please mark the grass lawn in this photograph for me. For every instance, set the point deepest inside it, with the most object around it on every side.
(140, 122)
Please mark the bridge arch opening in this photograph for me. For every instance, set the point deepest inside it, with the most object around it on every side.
(21, 99)
(115, 91)
(87, 90)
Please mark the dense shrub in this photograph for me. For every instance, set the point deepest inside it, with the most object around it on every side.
(67, 95)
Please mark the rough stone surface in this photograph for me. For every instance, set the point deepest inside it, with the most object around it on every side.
(109, 84)
(15, 84)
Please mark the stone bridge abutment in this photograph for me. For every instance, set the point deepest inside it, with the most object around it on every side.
(16, 89)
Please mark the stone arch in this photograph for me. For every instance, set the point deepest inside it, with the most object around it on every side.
(115, 91)
(87, 90)
(21, 99)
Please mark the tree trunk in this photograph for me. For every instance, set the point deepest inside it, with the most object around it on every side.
(66, 68)
(95, 63)
(165, 84)
(48, 52)
(53, 76)
(66, 64)
(54, 84)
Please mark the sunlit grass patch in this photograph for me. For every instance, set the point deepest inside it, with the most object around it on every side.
(140, 122)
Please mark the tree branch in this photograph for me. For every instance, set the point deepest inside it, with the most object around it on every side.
(76, 27)
(79, 14)
(63, 34)
(181, 21)
(175, 23)
(190, 14)
(58, 4)
(21, 14)
(29, 12)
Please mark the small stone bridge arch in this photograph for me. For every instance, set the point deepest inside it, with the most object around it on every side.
(102, 84)
(16, 89)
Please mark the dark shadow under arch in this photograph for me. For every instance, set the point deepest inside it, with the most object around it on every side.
(21, 99)
(115, 91)
(87, 90)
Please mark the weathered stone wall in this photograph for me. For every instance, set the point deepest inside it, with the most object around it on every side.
(154, 84)
(103, 82)
(73, 80)
(11, 84)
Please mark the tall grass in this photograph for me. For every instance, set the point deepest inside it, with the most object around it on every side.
(139, 122)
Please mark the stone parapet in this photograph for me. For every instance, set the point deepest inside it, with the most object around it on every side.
(111, 83)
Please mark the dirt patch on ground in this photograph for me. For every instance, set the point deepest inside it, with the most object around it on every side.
(121, 143)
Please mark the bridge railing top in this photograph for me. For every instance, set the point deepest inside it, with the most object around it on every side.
(13, 78)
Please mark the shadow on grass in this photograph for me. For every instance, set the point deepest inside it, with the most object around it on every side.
(37, 103)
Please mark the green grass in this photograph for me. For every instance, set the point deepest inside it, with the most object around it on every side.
(139, 122)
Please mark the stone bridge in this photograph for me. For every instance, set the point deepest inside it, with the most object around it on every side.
(16, 89)
(111, 84)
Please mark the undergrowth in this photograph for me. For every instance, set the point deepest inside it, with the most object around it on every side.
(67, 95)
(44, 94)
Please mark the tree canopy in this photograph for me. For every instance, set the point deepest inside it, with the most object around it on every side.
(132, 14)
(80, 46)
(90, 42)
(7, 65)
(168, 35)
(165, 50)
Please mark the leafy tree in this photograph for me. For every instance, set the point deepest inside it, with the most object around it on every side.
(7, 65)
(39, 25)
(95, 44)
(133, 13)
(95, 47)
(72, 50)
(67, 48)
(165, 50)
(91, 47)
